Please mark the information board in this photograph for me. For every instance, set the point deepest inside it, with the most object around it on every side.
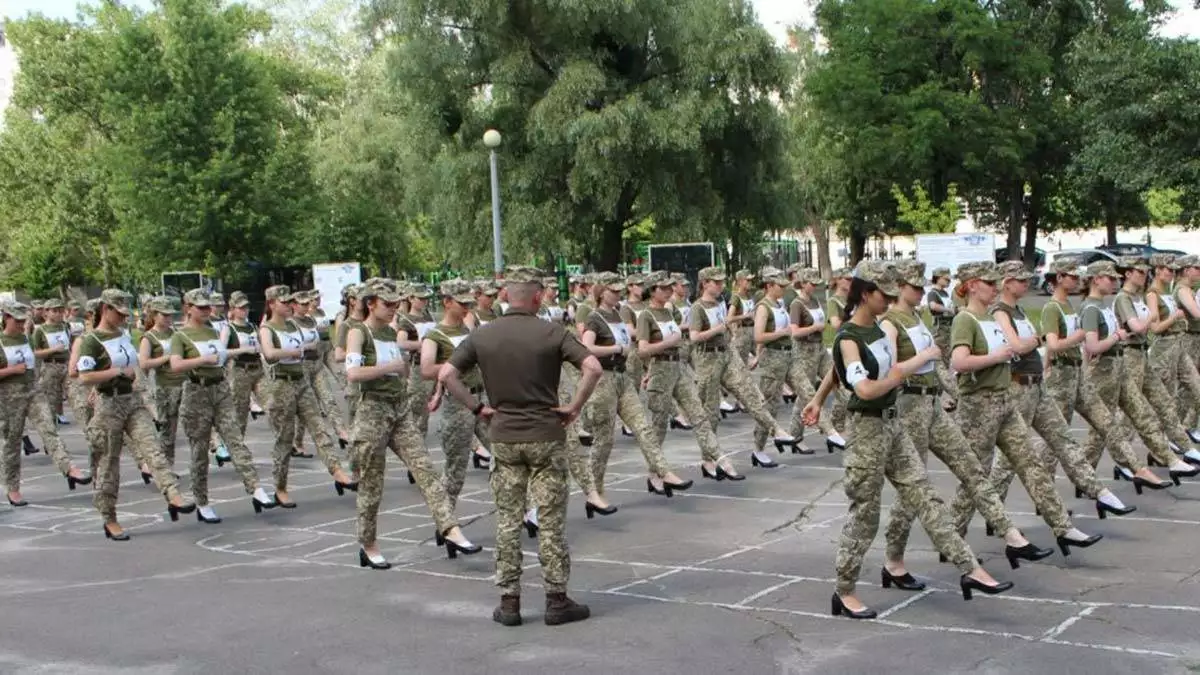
(330, 278)
(952, 250)
(687, 259)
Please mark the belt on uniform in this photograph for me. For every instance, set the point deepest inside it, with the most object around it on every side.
(667, 357)
(779, 347)
(55, 359)
(704, 347)
(248, 365)
(885, 413)
(922, 391)
(311, 356)
(1137, 347)
(1064, 361)
(115, 391)
(206, 381)
(1027, 378)
(287, 377)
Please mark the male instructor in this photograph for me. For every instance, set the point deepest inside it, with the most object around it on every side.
(520, 357)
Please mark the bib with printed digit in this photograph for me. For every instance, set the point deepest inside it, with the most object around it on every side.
(211, 348)
(922, 339)
(668, 328)
(21, 353)
(881, 349)
(782, 319)
(716, 315)
(620, 333)
(310, 336)
(247, 339)
(685, 313)
(120, 351)
(1170, 303)
(817, 314)
(288, 341)
(1141, 309)
(58, 339)
(993, 335)
(1110, 318)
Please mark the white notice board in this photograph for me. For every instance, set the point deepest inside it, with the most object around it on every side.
(952, 250)
(330, 278)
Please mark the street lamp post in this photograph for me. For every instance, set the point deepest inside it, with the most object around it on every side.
(491, 138)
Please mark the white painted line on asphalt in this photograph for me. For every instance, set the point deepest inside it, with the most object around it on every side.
(906, 603)
(765, 592)
(1068, 622)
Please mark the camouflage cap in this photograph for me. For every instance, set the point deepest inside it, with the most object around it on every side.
(912, 272)
(1014, 269)
(198, 297)
(217, 299)
(984, 269)
(34, 304)
(1166, 260)
(794, 268)
(1103, 268)
(420, 291)
(550, 282)
(940, 272)
(522, 274)
(53, 303)
(16, 310)
(635, 280)
(280, 294)
(91, 305)
(659, 280)
(383, 291)
(162, 305)
(586, 279)
(1133, 262)
(611, 280)
(74, 304)
(1067, 265)
(238, 299)
(843, 273)
(882, 274)
(487, 287)
(743, 274)
(347, 289)
(1188, 261)
(117, 299)
(809, 275)
(460, 291)
(711, 274)
(773, 275)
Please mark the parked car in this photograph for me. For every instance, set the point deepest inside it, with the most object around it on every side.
(1137, 249)
(1086, 256)
(1038, 262)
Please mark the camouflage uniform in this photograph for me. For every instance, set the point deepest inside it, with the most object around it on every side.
(168, 386)
(742, 333)
(119, 412)
(985, 400)
(52, 375)
(322, 383)
(877, 448)
(941, 334)
(531, 473)
(245, 370)
(777, 365)
(809, 354)
(671, 381)
(419, 389)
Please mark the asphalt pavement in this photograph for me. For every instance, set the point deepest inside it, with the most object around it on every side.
(724, 578)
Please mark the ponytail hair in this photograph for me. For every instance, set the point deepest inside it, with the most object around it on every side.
(97, 314)
(961, 289)
(148, 319)
(267, 313)
(858, 288)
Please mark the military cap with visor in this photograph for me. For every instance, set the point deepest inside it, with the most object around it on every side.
(880, 273)
(1103, 268)
(711, 274)
(117, 299)
(1166, 260)
(984, 270)
(281, 293)
(773, 275)
(15, 309)
(1187, 261)
(238, 299)
(523, 274)
(458, 290)
(912, 272)
(1014, 269)
(382, 291)
(197, 297)
(1133, 262)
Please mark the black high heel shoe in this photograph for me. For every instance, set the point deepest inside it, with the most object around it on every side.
(28, 447)
(124, 536)
(676, 424)
(665, 490)
(789, 398)
(831, 446)
(146, 476)
(715, 475)
(73, 481)
(284, 505)
(412, 480)
(341, 487)
(678, 487)
(591, 510)
(1078, 494)
(364, 560)
(1028, 552)
(587, 440)
(1118, 474)
(20, 502)
(755, 461)
(838, 608)
(1065, 544)
(480, 462)
(969, 584)
(904, 582)
(255, 414)
(453, 548)
(210, 521)
(259, 506)
(174, 511)
(1102, 510)
(626, 431)
(1176, 475)
(531, 529)
(343, 443)
(1139, 483)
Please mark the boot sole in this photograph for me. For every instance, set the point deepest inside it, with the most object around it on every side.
(558, 620)
(507, 619)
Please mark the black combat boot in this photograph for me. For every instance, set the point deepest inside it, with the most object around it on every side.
(560, 609)
(509, 611)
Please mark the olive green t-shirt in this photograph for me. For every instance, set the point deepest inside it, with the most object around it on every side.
(287, 337)
(1131, 306)
(311, 334)
(17, 350)
(912, 336)
(656, 323)
(805, 313)
(876, 358)
(447, 339)
(630, 311)
(102, 350)
(323, 324)
(160, 344)
(981, 334)
(834, 307)
(50, 335)
(1166, 305)
(1095, 317)
(777, 318)
(246, 335)
(1061, 321)
(485, 316)
(191, 343)
(1026, 364)
(582, 310)
(705, 315)
(741, 310)
(941, 298)
(610, 330)
(1193, 323)
(379, 346)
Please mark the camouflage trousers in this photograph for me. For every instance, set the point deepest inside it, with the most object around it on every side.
(77, 396)
(568, 382)
(1073, 388)
(616, 396)
(1123, 392)
(459, 429)
(878, 448)
(20, 400)
(946, 379)
(815, 361)
(386, 422)
(579, 459)
(1048, 437)
(932, 429)
(995, 422)
(203, 408)
(115, 419)
(287, 400)
(166, 418)
(742, 341)
(52, 380)
(1176, 369)
(419, 391)
(244, 382)
(324, 388)
(531, 473)
(775, 368)
(671, 382)
(1189, 401)
(717, 370)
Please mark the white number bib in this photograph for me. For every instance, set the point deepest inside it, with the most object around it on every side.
(310, 336)
(457, 340)
(219, 324)
(668, 328)
(922, 339)
(685, 313)
(76, 328)
(1169, 302)
(1142, 311)
(818, 315)
(881, 349)
(946, 303)
(120, 351)
(1111, 319)
(423, 328)
(58, 339)
(386, 351)
(782, 319)
(620, 333)
(1071, 321)
(1024, 328)
(993, 335)
(22, 353)
(247, 339)
(716, 315)
(289, 341)
(212, 348)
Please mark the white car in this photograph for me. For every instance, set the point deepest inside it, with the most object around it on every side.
(1086, 257)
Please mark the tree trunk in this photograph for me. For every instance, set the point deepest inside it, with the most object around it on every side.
(1016, 197)
(858, 246)
(1031, 226)
(735, 246)
(1110, 221)
(820, 232)
(612, 231)
(105, 267)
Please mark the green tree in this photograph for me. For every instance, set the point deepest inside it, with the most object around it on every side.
(922, 215)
